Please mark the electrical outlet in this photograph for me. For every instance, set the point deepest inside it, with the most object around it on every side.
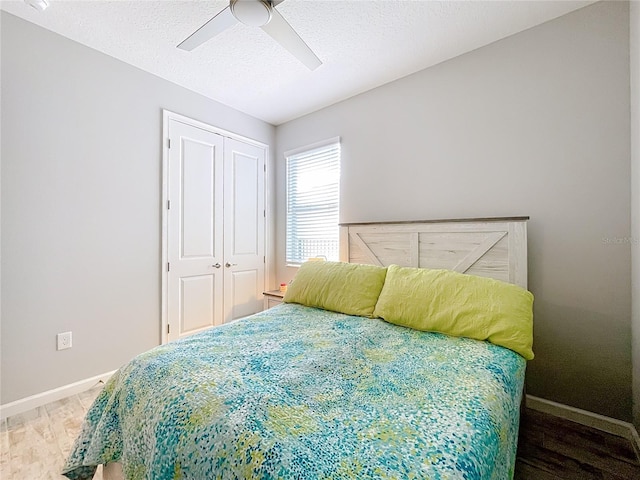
(64, 340)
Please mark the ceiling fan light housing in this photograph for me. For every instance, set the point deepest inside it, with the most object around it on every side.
(40, 5)
(254, 13)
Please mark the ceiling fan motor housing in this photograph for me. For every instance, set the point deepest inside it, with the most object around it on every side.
(254, 13)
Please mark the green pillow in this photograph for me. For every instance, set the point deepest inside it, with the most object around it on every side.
(349, 288)
(459, 305)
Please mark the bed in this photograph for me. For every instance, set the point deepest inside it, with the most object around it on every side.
(305, 390)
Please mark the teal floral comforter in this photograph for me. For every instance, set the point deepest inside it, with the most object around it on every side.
(300, 393)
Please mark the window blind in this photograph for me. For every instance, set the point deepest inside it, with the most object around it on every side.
(313, 204)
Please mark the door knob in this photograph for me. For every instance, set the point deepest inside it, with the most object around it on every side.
(228, 265)
(217, 265)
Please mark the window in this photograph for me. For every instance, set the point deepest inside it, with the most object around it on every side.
(313, 202)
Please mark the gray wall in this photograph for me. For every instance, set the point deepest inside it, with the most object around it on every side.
(536, 124)
(81, 213)
(635, 203)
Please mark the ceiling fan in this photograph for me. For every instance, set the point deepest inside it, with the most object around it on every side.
(255, 13)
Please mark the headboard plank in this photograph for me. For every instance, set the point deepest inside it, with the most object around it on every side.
(495, 248)
(387, 247)
(414, 250)
(476, 254)
(518, 253)
(366, 250)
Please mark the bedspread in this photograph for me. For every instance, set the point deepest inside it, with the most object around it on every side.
(297, 392)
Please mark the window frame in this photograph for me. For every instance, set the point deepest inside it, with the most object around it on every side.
(297, 151)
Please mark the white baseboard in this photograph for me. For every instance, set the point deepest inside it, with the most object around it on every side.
(40, 399)
(589, 419)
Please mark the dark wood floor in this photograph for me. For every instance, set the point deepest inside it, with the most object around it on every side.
(551, 448)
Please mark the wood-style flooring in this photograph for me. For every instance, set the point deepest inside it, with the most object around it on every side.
(34, 445)
(551, 448)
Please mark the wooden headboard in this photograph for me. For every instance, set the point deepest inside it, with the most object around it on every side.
(487, 247)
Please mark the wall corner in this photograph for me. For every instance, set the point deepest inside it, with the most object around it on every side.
(634, 56)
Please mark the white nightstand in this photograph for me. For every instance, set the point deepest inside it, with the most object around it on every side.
(272, 298)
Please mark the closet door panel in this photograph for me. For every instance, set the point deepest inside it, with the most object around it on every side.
(194, 230)
(244, 224)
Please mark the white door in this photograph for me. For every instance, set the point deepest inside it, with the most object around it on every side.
(195, 230)
(244, 227)
(215, 228)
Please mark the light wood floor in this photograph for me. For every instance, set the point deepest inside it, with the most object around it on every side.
(35, 445)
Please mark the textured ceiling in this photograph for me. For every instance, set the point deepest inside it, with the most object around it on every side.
(362, 43)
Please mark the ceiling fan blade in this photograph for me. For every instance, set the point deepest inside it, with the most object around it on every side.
(286, 36)
(223, 20)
